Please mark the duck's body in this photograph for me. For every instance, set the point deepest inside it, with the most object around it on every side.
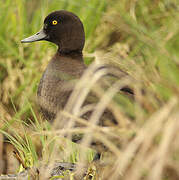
(65, 30)
(58, 81)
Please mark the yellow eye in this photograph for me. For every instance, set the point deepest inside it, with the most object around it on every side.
(54, 22)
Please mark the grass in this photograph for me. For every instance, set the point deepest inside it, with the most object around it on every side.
(139, 37)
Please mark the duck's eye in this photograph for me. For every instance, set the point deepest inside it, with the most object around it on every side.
(54, 22)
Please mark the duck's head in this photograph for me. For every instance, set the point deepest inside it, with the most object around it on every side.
(62, 28)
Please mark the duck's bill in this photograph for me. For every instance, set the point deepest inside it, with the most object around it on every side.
(41, 35)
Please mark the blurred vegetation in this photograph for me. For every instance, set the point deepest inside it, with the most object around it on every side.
(140, 37)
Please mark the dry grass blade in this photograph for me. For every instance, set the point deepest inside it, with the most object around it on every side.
(74, 98)
(150, 129)
(106, 130)
(101, 106)
(161, 155)
(94, 72)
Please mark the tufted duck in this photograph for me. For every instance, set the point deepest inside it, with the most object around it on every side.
(65, 30)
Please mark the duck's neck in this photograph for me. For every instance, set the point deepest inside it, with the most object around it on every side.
(70, 53)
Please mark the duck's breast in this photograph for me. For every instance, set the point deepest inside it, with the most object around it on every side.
(57, 83)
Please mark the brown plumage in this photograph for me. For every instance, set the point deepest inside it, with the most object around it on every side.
(57, 83)
(65, 30)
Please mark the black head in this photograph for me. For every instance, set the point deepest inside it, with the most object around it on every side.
(62, 28)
